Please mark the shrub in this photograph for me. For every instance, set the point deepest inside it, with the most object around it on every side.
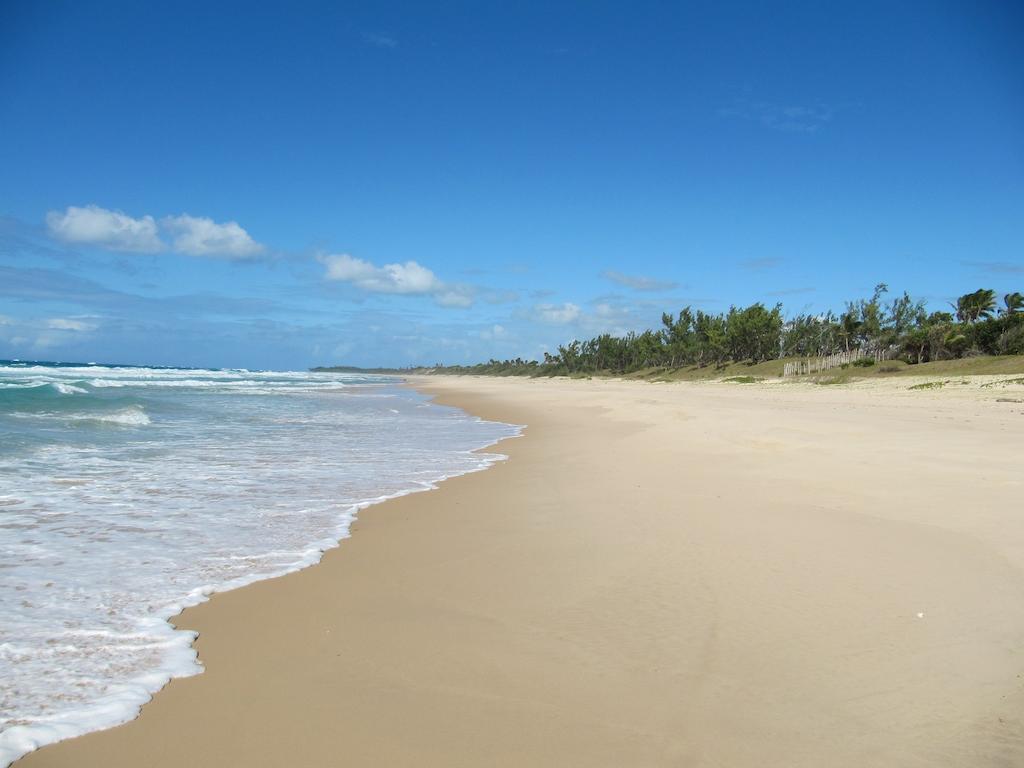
(984, 336)
(864, 362)
(1011, 341)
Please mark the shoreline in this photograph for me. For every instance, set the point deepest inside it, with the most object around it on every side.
(180, 622)
(545, 612)
(109, 712)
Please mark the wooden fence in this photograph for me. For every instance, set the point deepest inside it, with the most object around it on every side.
(838, 360)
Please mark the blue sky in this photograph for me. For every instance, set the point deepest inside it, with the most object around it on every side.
(391, 183)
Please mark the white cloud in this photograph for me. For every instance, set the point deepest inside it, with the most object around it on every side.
(202, 236)
(406, 278)
(553, 313)
(69, 324)
(456, 296)
(599, 316)
(494, 332)
(638, 283)
(610, 318)
(115, 230)
(37, 334)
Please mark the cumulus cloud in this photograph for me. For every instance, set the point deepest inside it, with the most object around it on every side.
(558, 313)
(608, 317)
(37, 334)
(117, 231)
(113, 230)
(637, 282)
(201, 236)
(406, 278)
(458, 296)
(600, 315)
(69, 324)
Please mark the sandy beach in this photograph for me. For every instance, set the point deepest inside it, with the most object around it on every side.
(660, 575)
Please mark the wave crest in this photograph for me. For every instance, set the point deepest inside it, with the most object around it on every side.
(126, 417)
(68, 389)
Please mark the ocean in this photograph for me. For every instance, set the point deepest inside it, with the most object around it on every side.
(129, 493)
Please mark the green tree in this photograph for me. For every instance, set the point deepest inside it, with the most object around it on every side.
(1011, 341)
(872, 316)
(806, 335)
(570, 356)
(712, 344)
(972, 307)
(754, 333)
(904, 313)
(680, 338)
(926, 339)
(1013, 303)
(849, 327)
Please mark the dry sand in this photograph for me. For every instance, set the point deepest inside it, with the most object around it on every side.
(685, 575)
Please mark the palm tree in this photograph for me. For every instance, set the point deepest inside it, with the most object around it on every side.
(1014, 303)
(972, 307)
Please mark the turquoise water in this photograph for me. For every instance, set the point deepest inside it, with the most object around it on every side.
(127, 493)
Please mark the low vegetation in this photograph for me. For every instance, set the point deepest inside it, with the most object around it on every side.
(1004, 383)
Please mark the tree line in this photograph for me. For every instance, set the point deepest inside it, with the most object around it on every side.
(977, 325)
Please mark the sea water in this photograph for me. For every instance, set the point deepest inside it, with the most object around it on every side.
(128, 493)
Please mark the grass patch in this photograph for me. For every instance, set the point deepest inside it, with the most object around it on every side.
(769, 369)
(970, 366)
(930, 385)
(1005, 365)
(744, 379)
(1004, 382)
